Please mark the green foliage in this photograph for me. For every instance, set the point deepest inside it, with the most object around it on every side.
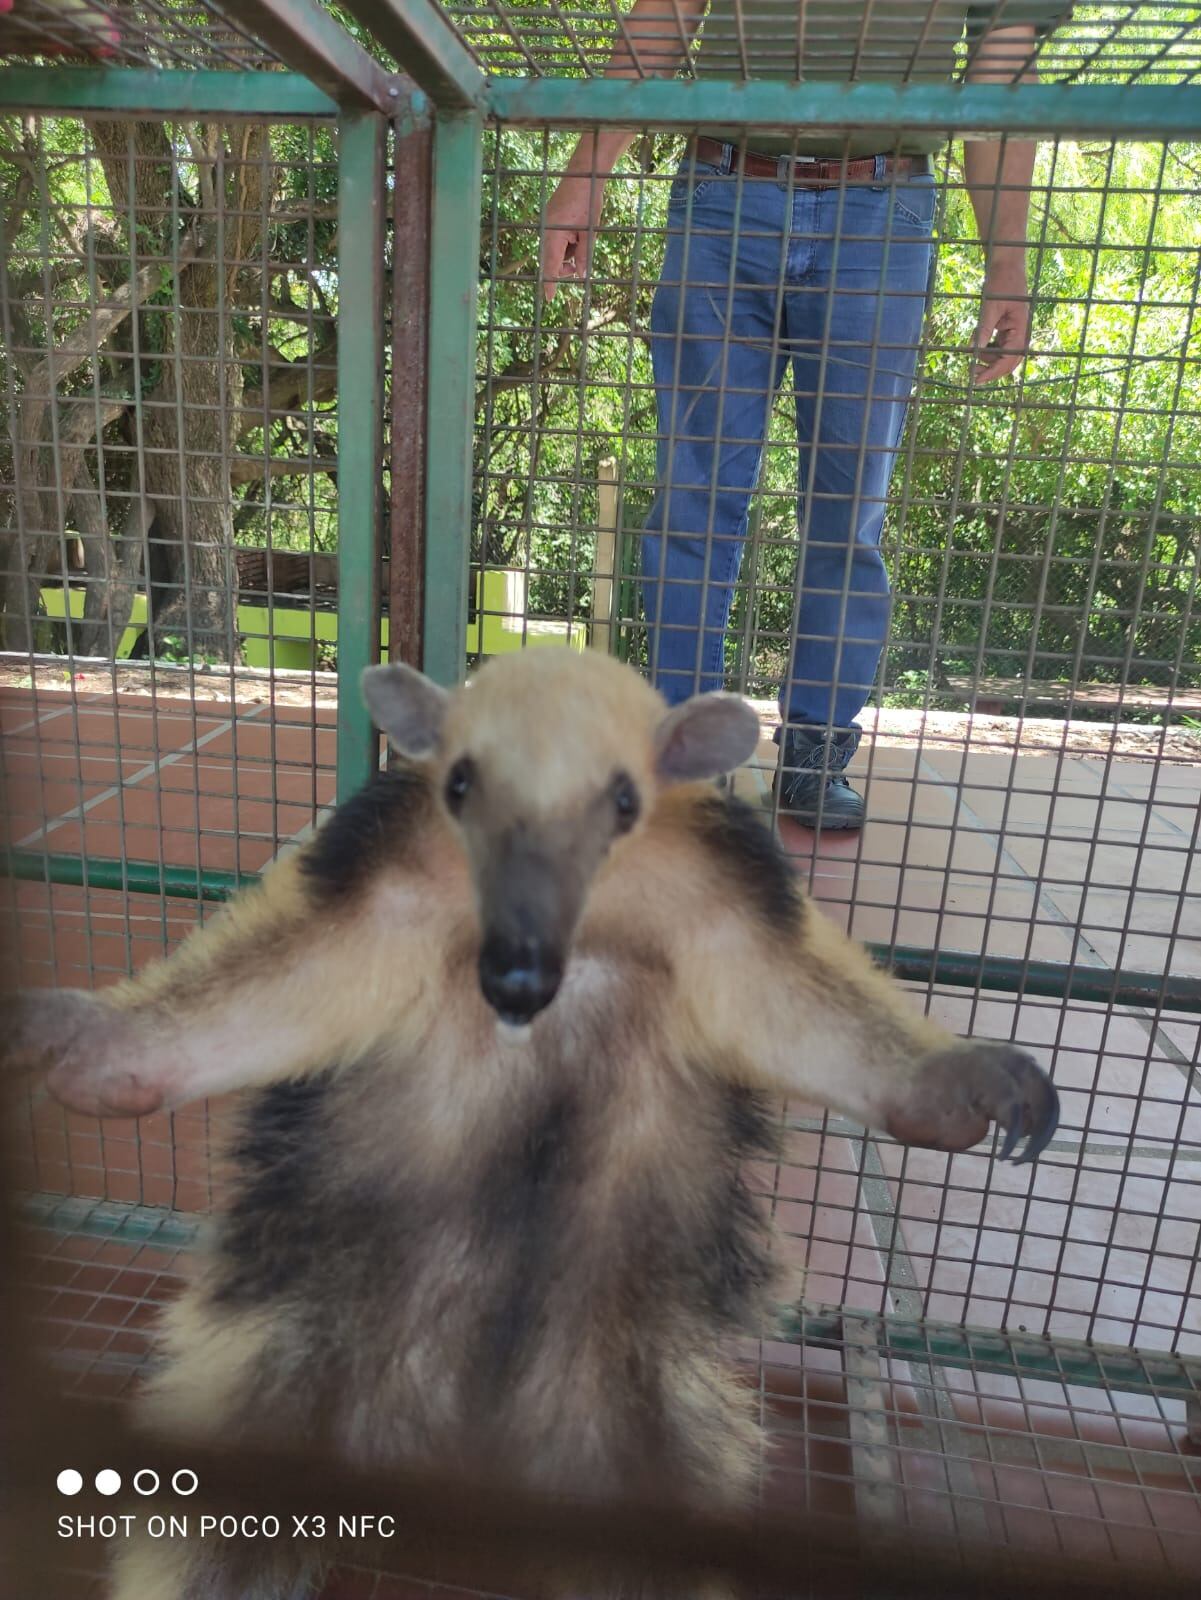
(1046, 525)
(68, 247)
(1058, 515)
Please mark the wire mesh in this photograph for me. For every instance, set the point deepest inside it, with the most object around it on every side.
(1029, 756)
(169, 303)
(145, 33)
(1032, 1459)
(900, 41)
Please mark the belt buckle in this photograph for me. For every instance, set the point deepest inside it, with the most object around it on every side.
(785, 165)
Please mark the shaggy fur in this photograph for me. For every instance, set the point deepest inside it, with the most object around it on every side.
(456, 1240)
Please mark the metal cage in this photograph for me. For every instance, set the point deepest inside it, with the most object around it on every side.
(269, 411)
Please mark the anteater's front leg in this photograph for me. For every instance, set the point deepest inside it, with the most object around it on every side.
(276, 986)
(800, 1010)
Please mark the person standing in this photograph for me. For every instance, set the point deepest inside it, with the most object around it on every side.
(806, 249)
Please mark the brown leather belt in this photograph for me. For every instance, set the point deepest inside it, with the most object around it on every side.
(804, 171)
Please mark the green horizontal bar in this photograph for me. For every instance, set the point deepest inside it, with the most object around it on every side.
(942, 1344)
(1110, 111)
(1056, 980)
(82, 1216)
(126, 877)
(172, 92)
(946, 1344)
(995, 974)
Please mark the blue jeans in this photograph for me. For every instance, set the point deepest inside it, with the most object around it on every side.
(835, 281)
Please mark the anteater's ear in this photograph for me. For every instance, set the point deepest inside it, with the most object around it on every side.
(407, 706)
(706, 736)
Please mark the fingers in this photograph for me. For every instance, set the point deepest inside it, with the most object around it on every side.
(1001, 340)
(989, 369)
(557, 246)
(564, 258)
(548, 268)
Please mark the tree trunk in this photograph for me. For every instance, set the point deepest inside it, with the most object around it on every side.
(190, 418)
(186, 473)
(113, 567)
(181, 481)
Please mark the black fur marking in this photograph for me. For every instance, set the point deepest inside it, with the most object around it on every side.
(519, 1203)
(270, 1235)
(750, 854)
(737, 1267)
(371, 827)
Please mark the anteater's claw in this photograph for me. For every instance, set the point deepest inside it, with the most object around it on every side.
(1043, 1130)
(955, 1096)
(1014, 1132)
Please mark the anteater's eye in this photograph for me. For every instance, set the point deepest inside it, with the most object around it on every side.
(625, 802)
(459, 781)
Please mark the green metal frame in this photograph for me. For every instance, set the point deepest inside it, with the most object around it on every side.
(133, 91)
(422, 41)
(346, 84)
(361, 227)
(950, 968)
(1113, 112)
(450, 404)
(944, 1344)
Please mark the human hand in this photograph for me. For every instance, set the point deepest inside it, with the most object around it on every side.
(572, 218)
(1002, 337)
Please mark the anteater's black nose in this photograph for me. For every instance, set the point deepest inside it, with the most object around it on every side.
(519, 977)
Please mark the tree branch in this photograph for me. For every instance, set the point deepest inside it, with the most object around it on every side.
(113, 568)
(250, 469)
(104, 321)
(292, 386)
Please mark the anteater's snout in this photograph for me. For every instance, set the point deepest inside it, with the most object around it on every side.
(519, 977)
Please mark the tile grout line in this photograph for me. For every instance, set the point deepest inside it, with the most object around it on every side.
(1138, 1014)
(1154, 806)
(81, 810)
(1150, 1021)
(35, 722)
(1043, 896)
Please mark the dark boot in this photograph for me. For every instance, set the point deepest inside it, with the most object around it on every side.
(812, 788)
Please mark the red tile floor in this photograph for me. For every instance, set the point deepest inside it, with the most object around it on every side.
(1008, 839)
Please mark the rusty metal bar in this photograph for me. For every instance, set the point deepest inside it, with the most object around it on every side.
(411, 214)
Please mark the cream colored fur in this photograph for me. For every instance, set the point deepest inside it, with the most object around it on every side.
(676, 976)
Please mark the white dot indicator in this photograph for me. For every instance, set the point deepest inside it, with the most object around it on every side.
(69, 1481)
(108, 1481)
(185, 1481)
(145, 1481)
